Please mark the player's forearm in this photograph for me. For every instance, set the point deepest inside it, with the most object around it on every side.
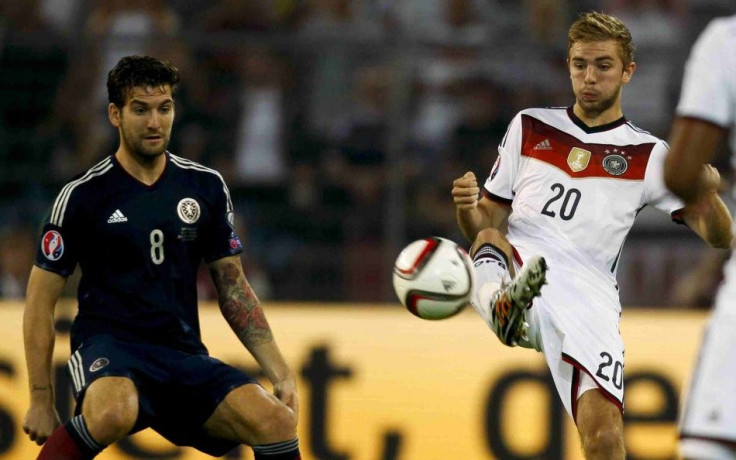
(39, 338)
(272, 362)
(717, 223)
(244, 313)
(471, 221)
(240, 305)
(44, 290)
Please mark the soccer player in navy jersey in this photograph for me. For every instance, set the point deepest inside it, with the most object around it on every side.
(138, 224)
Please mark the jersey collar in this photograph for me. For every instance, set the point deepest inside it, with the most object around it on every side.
(134, 179)
(594, 129)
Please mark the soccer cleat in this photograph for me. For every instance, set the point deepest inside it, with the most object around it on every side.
(509, 303)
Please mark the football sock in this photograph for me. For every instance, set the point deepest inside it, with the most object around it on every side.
(287, 450)
(71, 441)
(491, 268)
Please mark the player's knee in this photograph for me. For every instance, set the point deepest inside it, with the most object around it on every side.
(112, 422)
(278, 425)
(494, 237)
(603, 440)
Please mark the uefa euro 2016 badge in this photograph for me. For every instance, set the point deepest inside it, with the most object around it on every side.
(52, 245)
(188, 210)
(615, 165)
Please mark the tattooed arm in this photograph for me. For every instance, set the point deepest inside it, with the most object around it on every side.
(243, 311)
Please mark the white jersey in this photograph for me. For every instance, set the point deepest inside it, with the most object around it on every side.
(709, 93)
(575, 192)
(709, 87)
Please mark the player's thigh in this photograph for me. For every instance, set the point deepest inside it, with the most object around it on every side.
(251, 415)
(110, 407)
(596, 413)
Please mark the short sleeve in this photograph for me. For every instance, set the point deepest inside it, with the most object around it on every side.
(500, 183)
(708, 87)
(222, 240)
(57, 246)
(655, 190)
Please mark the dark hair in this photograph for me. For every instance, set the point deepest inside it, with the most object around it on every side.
(132, 71)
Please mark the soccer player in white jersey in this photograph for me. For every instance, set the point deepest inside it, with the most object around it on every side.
(557, 207)
(705, 115)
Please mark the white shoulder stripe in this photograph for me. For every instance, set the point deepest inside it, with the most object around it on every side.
(637, 129)
(59, 208)
(189, 164)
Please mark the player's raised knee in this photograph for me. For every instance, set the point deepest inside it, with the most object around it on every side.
(492, 236)
(113, 421)
(489, 235)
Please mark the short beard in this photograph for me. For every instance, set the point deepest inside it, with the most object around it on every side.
(144, 154)
(593, 110)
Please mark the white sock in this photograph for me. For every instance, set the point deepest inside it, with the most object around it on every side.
(491, 268)
(481, 300)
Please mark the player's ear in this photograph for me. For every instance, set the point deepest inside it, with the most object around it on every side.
(114, 114)
(629, 71)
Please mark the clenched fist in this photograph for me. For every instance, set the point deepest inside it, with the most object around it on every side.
(465, 191)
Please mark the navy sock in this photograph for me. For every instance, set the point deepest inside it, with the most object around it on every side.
(287, 450)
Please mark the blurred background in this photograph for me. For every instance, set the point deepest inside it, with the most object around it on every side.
(339, 125)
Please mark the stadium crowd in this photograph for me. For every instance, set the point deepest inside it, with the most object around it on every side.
(338, 124)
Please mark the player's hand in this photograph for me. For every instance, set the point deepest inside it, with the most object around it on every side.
(708, 185)
(465, 191)
(41, 420)
(710, 179)
(285, 390)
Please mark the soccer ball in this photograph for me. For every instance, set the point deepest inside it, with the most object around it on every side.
(433, 278)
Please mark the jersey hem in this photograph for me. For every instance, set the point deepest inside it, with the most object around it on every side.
(496, 198)
(223, 255)
(50, 268)
(729, 442)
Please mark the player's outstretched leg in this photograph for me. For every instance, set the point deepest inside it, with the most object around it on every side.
(509, 303)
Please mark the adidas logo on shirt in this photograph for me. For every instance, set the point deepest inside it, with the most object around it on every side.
(116, 217)
(544, 145)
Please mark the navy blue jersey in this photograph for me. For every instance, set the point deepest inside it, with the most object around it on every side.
(139, 248)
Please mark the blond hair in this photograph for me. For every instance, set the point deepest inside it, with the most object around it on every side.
(598, 27)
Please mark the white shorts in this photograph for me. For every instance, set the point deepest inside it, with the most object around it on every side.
(575, 323)
(709, 412)
(701, 449)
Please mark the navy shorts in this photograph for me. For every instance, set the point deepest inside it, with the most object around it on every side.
(177, 391)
